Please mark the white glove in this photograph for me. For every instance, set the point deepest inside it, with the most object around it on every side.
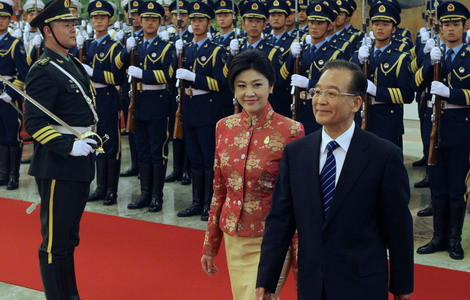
(164, 35)
(130, 44)
(367, 41)
(5, 97)
(209, 36)
(112, 32)
(179, 46)
(295, 49)
(88, 69)
(440, 89)
(190, 29)
(17, 34)
(436, 55)
(37, 41)
(468, 36)
(363, 54)
(430, 43)
(83, 24)
(171, 29)
(117, 25)
(371, 35)
(89, 30)
(84, 34)
(425, 37)
(185, 75)
(299, 81)
(135, 72)
(308, 39)
(119, 36)
(234, 46)
(82, 147)
(80, 41)
(371, 88)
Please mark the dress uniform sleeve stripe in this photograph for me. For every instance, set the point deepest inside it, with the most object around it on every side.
(52, 136)
(418, 77)
(399, 96)
(216, 85)
(225, 70)
(467, 96)
(284, 72)
(157, 76)
(109, 77)
(45, 134)
(40, 131)
(19, 84)
(400, 62)
(171, 71)
(118, 61)
(414, 65)
(392, 95)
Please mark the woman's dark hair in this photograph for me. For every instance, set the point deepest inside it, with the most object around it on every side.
(358, 84)
(251, 59)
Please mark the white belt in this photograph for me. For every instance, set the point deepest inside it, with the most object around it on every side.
(196, 92)
(153, 87)
(446, 105)
(373, 102)
(99, 85)
(80, 130)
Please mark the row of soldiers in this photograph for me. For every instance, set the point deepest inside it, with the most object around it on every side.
(172, 52)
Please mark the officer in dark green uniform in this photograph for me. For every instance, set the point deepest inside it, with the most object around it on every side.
(62, 164)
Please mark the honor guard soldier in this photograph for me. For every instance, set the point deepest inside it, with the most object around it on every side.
(184, 17)
(181, 165)
(350, 28)
(224, 15)
(303, 17)
(203, 78)
(153, 71)
(14, 68)
(314, 56)
(290, 20)
(279, 38)
(389, 77)
(135, 29)
(344, 17)
(63, 165)
(74, 8)
(100, 66)
(254, 15)
(30, 9)
(447, 174)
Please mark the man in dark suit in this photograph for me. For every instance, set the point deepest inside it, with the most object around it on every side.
(346, 192)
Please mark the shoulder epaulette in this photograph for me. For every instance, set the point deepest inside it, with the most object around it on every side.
(44, 61)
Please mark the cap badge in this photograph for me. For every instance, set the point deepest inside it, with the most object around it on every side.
(196, 6)
(339, 2)
(180, 3)
(135, 3)
(222, 3)
(99, 4)
(254, 6)
(276, 3)
(382, 9)
(450, 7)
(318, 8)
(1, 5)
(150, 6)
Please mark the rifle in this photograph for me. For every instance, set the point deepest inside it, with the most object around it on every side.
(236, 107)
(178, 128)
(365, 68)
(295, 91)
(436, 105)
(130, 126)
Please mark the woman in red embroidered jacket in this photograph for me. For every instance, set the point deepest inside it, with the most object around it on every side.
(249, 147)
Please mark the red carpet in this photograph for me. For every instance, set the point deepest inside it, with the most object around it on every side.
(121, 258)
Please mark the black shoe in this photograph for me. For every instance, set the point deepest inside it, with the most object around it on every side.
(175, 175)
(156, 204)
(13, 184)
(15, 158)
(145, 187)
(423, 183)
(427, 212)
(420, 163)
(27, 160)
(186, 178)
(101, 181)
(455, 250)
(141, 202)
(110, 198)
(192, 210)
(132, 171)
(205, 213)
(97, 195)
(159, 171)
(435, 245)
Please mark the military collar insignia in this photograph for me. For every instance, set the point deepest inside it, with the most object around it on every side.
(323, 49)
(205, 45)
(284, 38)
(389, 51)
(260, 47)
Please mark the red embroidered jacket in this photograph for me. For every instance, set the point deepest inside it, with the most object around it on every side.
(247, 156)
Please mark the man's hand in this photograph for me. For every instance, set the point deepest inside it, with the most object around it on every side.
(295, 49)
(82, 147)
(402, 297)
(135, 72)
(130, 44)
(299, 81)
(179, 46)
(371, 88)
(262, 294)
(186, 75)
(5, 97)
(207, 263)
(234, 46)
(440, 89)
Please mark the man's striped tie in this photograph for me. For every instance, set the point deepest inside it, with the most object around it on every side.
(328, 177)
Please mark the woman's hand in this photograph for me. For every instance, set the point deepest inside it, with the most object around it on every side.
(207, 263)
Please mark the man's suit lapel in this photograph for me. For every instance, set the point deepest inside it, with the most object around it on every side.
(312, 164)
(354, 164)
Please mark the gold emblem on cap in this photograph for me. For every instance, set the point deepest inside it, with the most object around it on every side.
(461, 69)
(1, 5)
(180, 3)
(382, 9)
(150, 6)
(318, 8)
(276, 3)
(66, 3)
(254, 6)
(99, 4)
(339, 2)
(222, 3)
(450, 7)
(196, 6)
(301, 1)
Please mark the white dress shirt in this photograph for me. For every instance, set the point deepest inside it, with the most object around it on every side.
(343, 141)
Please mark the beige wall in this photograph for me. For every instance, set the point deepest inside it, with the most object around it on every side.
(410, 17)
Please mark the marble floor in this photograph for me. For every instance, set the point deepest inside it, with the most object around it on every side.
(178, 197)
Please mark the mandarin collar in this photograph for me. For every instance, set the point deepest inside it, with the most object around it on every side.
(258, 120)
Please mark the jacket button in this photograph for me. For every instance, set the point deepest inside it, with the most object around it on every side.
(392, 111)
(243, 156)
(239, 202)
(247, 134)
(77, 91)
(240, 180)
